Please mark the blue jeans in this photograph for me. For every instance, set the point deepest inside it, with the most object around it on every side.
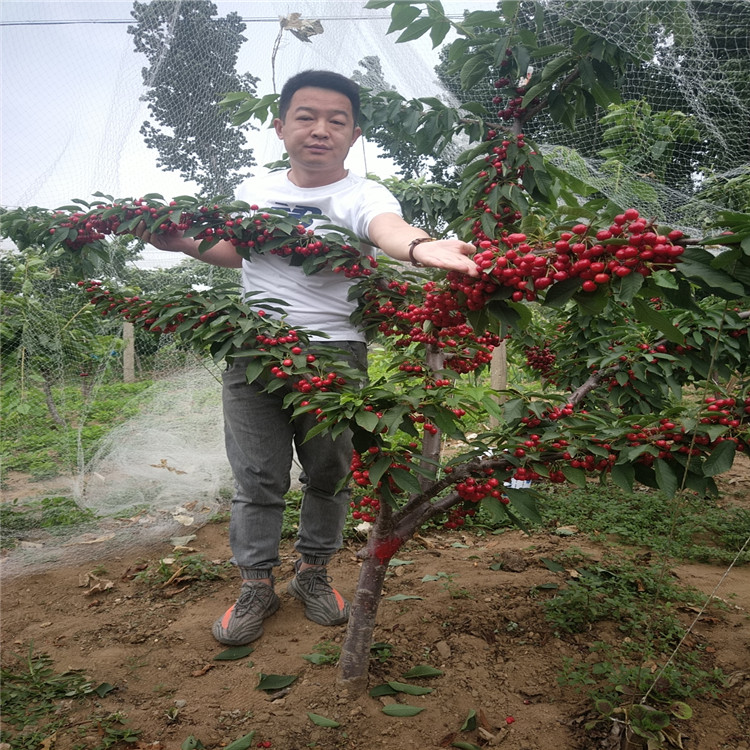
(259, 434)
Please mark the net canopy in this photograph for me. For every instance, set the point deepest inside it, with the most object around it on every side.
(681, 135)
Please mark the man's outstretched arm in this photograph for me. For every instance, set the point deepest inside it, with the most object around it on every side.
(394, 236)
(221, 254)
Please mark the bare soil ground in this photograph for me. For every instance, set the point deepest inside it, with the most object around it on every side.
(483, 627)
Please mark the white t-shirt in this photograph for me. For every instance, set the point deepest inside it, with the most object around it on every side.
(319, 301)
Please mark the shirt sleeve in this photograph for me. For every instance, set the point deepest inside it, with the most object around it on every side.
(376, 200)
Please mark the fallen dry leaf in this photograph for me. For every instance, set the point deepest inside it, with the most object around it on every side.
(95, 583)
(164, 465)
(448, 740)
(99, 587)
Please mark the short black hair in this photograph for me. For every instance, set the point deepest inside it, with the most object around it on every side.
(321, 79)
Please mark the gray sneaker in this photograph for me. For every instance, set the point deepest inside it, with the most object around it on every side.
(323, 604)
(243, 621)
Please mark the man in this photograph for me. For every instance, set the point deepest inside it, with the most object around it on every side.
(318, 112)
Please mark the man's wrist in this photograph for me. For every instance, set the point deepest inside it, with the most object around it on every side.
(412, 245)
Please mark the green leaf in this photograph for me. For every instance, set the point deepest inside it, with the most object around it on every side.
(555, 567)
(470, 722)
(405, 480)
(465, 745)
(234, 653)
(483, 18)
(242, 743)
(402, 14)
(322, 721)
(271, 682)
(367, 420)
(623, 475)
(317, 658)
(403, 687)
(395, 562)
(473, 71)
(103, 689)
(380, 690)
(393, 418)
(695, 264)
(666, 478)
(439, 31)
(559, 294)
(510, 10)
(574, 476)
(680, 710)
(402, 709)
(525, 503)
(379, 468)
(534, 91)
(422, 670)
(253, 370)
(721, 459)
(419, 28)
(646, 314)
(553, 68)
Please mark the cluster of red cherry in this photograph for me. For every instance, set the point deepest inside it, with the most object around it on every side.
(542, 359)
(366, 507)
(629, 245)
(437, 321)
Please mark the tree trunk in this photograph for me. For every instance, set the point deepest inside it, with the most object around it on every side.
(431, 442)
(47, 389)
(355, 653)
(499, 374)
(128, 353)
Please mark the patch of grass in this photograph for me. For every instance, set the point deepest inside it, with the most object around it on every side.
(36, 701)
(33, 443)
(381, 651)
(645, 663)
(221, 516)
(55, 514)
(641, 600)
(325, 652)
(48, 513)
(688, 527)
(180, 569)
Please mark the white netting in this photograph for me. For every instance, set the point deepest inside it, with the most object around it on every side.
(701, 67)
(73, 104)
(171, 460)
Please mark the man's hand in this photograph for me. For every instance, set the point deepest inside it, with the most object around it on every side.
(451, 255)
(172, 242)
(221, 254)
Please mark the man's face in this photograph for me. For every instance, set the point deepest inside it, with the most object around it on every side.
(318, 130)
